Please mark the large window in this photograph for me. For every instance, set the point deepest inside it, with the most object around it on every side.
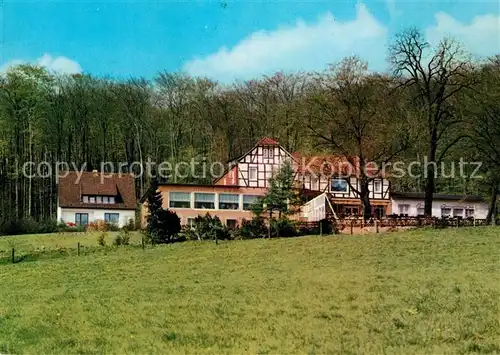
(204, 200)
(229, 201)
(458, 212)
(420, 211)
(249, 200)
(179, 199)
(82, 219)
(339, 185)
(111, 218)
(445, 211)
(404, 209)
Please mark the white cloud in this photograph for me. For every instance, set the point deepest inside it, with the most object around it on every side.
(303, 47)
(58, 64)
(481, 36)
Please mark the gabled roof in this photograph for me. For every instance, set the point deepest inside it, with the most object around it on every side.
(77, 184)
(266, 141)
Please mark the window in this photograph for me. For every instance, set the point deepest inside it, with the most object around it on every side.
(379, 211)
(420, 211)
(204, 200)
(252, 173)
(458, 212)
(82, 219)
(229, 201)
(98, 199)
(105, 199)
(179, 199)
(445, 211)
(85, 199)
(111, 218)
(249, 200)
(111, 199)
(190, 222)
(469, 212)
(377, 186)
(268, 152)
(314, 183)
(339, 185)
(231, 223)
(351, 211)
(404, 209)
(91, 199)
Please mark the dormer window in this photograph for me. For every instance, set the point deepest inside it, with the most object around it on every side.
(100, 200)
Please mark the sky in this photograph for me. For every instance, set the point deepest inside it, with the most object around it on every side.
(228, 40)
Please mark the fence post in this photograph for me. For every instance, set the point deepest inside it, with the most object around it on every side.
(474, 221)
(376, 226)
(13, 255)
(320, 228)
(142, 242)
(78, 250)
(351, 226)
(458, 222)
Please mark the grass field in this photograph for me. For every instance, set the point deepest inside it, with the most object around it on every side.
(427, 291)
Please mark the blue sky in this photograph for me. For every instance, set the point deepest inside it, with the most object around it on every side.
(227, 40)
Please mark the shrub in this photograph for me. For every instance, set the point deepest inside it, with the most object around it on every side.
(208, 227)
(131, 225)
(112, 227)
(101, 239)
(123, 238)
(249, 229)
(283, 227)
(97, 226)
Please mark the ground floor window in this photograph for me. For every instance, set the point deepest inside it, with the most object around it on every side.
(111, 218)
(231, 223)
(204, 200)
(179, 199)
(420, 211)
(469, 212)
(190, 222)
(404, 209)
(445, 211)
(249, 200)
(82, 219)
(379, 211)
(351, 210)
(458, 212)
(229, 201)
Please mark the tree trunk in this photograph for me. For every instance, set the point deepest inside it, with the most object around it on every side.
(430, 179)
(490, 218)
(365, 200)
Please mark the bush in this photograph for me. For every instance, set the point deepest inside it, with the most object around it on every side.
(101, 239)
(249, 229)
(131, 225)
(123, 238)
(112, 227)
(208, 227)
(27, 225)
(284, 228)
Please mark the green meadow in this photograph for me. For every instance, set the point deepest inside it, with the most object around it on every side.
(413, 292)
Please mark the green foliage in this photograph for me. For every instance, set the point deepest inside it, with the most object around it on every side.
(208, 227)
(101, 239)
(163, 225)
(250, 229)
(284, 227)
(28, 226)
(282, 195)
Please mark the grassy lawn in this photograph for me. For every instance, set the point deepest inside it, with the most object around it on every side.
(427, 291)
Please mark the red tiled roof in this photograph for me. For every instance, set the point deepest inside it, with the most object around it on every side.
(267, 141)
(122, 186)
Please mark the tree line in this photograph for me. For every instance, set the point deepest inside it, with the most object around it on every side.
(433, 103)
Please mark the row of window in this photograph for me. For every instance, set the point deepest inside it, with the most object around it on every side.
(82, 219)
(404, 209)
(231, 223)
(98, 199)
(341, 185)
(203, 200)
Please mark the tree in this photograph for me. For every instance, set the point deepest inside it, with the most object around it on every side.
(163, 224)
(357, 115)
(282, 196)
(435, 78)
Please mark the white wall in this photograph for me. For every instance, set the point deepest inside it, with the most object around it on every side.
(68, 215)
(480, 208)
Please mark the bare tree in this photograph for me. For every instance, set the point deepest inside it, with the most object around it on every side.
(355, 115)
(435, 77)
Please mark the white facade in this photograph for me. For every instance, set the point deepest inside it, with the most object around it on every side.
(68, 215)
(440, 208)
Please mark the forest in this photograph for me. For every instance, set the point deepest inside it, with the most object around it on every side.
(433, 104)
